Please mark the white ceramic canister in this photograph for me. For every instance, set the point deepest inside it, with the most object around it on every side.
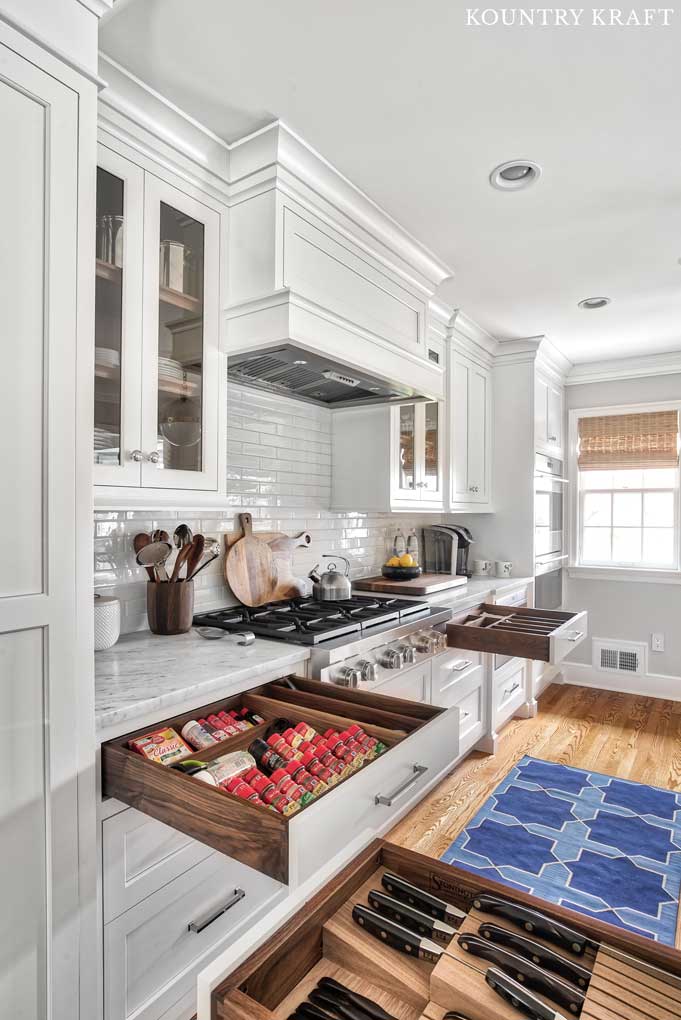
(107, 621)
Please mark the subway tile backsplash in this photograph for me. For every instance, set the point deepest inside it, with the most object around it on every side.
(279, 470)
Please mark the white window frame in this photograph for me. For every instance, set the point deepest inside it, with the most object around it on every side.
(671, 575)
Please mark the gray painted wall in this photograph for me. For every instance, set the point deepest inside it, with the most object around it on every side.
(627, 609)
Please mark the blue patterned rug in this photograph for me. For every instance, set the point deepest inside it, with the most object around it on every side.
(605, 847)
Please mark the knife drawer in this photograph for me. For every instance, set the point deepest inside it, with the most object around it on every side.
(544, 634)
(422, 743)
(323, 940)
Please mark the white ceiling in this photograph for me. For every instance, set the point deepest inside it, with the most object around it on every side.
(416, 109)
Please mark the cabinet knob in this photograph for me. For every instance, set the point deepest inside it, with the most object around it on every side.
(553, 439)
(154, 457)
(474, 488)
(137, 456)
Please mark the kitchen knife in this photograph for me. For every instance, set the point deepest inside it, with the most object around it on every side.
(529, 974)
(394, 935)
(519, 998)
(532, 921)
(330, 1000)
(536, 952)
(307, 1012)
(422, 900)
(372, 1008)
(410, 917)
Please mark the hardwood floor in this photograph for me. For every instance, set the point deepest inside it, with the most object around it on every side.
(619, 734)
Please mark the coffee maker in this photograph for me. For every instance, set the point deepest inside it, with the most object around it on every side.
(445, 549)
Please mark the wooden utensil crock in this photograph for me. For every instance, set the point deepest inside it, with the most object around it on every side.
(170, 607)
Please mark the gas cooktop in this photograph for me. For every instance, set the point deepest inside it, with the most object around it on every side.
(306, 621)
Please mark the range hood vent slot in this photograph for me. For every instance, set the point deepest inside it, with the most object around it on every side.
(296, 372)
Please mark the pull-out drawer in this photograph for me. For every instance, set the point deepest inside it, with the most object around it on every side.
(509, 692)
(627, 976)
(422, 742)
(524, 633)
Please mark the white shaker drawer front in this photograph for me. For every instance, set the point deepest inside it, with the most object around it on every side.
(373, 800)
(470, 701)
(509, 693)
(153, 951)
(140, 856)
(450, 671)
(411, 684)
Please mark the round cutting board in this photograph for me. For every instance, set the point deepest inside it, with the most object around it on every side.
(250, 567)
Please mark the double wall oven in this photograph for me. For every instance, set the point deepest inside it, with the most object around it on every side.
(549, 548)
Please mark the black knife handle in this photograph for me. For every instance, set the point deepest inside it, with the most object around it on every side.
(522, 970)
(333, 1002)
(392, 934)
(402, 913)
(371, 1008)
(421, 899)
(533, 921)
(518, 997)
(536, 952)
(308, 1012)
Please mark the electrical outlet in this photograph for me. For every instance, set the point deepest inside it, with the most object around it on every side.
(657, 642)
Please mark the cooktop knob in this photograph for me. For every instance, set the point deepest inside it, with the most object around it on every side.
(408, 653)
(368, 670)
(391, 659)
(348, 676)
(423, 642)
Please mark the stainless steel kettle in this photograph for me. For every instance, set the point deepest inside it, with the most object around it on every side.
(332, 585)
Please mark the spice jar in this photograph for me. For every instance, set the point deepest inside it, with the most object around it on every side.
(291, 790)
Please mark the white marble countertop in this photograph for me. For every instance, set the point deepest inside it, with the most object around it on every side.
(146, 678)
(478, 589)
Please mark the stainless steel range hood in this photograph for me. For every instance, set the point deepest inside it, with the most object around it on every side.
(305, 375)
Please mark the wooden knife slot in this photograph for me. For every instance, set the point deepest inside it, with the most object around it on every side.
(541, 634)
(323, 940)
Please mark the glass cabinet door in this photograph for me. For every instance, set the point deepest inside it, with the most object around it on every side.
(181, 350)
(406, 463)
(118, 320)
(432, 457)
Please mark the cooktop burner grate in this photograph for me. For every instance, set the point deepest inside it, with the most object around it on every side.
(308, 621)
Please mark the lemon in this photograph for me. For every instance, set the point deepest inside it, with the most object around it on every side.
(393, 562)
(407, 560)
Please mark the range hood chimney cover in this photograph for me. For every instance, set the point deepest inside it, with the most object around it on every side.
(295, 372)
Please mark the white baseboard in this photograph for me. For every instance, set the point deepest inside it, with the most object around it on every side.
(654, 685)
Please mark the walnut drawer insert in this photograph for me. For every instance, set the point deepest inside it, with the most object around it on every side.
(543, 634)
(285, 848)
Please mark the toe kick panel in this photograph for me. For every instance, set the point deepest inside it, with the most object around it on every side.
(543, 634)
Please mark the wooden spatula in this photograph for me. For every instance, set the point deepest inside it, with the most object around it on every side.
(251, 569)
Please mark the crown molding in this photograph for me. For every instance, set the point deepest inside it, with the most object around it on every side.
(34, 37)
(553, 361)
(97, 7)
(518, 352)
(625, 368)
(464, 333)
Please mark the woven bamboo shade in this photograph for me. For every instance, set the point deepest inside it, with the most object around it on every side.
(634, 441)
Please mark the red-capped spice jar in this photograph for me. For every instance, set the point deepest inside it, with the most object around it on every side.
(364, 739)
(252, 717)
(319, 771)
(292, 738)
(242, 789)
(342, 751)
(266, 758)
(240, 724)
(300, 775)
(227, 723)
(323, 755)
(220, 726)
(366, 752)
(292, 791)
(305, 730)
(277, 742)
(268, 792)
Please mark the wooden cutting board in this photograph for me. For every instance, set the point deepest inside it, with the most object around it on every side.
(283, 582)
(425, 584)
(250, 567)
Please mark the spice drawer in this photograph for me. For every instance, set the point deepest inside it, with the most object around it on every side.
(421, 740)
(542, 634)
(631, 976)
(153, 951)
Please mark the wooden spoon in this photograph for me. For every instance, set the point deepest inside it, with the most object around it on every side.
(196, 548)
(181, 558)
(139, 542)
(251, 568)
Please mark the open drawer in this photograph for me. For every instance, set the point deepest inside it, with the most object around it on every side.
(543, 634)
(422, 742)
(624, 976)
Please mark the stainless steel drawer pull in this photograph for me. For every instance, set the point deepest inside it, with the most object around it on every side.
(418, 771)
(576, 635)
(460, 664)
(464, 715)
(203, 922)
(510, 690)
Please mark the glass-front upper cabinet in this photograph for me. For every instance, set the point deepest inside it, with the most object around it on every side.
(418, 465)
(156, 333)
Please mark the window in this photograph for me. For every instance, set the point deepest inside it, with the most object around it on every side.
(627, 474)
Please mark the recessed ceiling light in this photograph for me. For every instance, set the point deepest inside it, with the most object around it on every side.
(515, 174)
(590, 303)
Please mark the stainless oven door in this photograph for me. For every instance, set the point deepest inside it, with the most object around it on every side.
(548, 588)
(549, 493)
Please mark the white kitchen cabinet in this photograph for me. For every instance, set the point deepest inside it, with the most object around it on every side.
(470, 435)
(157, 359)
(388, 457)
(411, 684)
(548, 415)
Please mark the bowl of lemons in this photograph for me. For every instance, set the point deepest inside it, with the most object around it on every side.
(401, 568)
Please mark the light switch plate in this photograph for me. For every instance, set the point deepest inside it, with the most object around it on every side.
(657, 642)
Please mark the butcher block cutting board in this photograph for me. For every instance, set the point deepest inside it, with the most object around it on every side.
(281, 582)
(425, 584)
